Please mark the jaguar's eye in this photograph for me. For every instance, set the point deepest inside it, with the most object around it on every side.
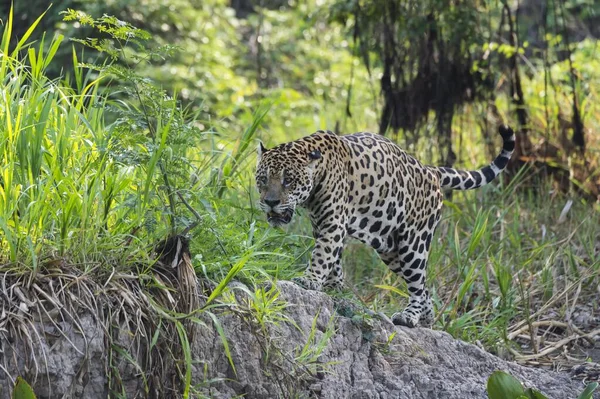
(285, 182)
(261, 181)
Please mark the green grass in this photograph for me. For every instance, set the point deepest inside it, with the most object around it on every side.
(96, 169)
(497, 258)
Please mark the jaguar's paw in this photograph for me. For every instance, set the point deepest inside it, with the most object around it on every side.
(307, 283)
(405, 319)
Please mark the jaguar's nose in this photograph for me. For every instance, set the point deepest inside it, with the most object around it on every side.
(272, 203)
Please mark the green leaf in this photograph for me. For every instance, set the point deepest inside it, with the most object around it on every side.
(502, 385)
(187, 352)
(235, 269)
(395, 290)
(6, 40)
(589, 390)
(224, 341)
(58, 39)
(23, 390)
(127, 356)
(478, 232)
(533, 394)
(27, 33)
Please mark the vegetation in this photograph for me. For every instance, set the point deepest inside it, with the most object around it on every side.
(137, 136)
(23, 390)
(502, 385)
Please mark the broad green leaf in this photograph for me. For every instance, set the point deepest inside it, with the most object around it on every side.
(502, 385)
(23, 390)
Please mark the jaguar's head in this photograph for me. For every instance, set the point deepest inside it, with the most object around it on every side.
(285, 178)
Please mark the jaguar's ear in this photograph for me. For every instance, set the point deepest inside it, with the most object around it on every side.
(314, 155)
(313, 158)
(261, 149)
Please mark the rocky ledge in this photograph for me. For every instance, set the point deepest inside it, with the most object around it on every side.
(313, 351)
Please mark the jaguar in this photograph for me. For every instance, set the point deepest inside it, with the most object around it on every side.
(365, 186)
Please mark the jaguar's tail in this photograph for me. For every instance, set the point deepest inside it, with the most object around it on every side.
(467, 180)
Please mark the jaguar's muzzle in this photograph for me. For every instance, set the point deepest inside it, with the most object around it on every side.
(279, 219)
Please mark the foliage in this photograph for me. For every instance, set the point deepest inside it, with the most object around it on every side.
(23, 390)
(90, 182)
(502, 385)
(308, 355)
(424, 51)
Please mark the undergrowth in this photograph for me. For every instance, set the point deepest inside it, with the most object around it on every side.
(516, 273)
(102, 175)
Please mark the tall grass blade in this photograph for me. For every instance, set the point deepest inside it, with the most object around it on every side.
(224, 341)
(6, 41)
(393, 289)
(232, 164)
(56, 42)
(27, 33)
(588, 391)
(235, 269)
(479, 229)
(127, 356)
(187, 353)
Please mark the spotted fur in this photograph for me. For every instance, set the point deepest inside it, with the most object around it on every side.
(364, 186)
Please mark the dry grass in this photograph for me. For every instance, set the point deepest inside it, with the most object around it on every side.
(140, 316)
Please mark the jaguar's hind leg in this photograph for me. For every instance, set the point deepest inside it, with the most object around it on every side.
(427, 313)
(411, 263)
(335, 279)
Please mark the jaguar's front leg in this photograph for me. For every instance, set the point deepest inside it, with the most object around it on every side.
(325, 266)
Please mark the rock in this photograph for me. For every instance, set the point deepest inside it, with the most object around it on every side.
(417, 363)
(74, 369)
(341, 357)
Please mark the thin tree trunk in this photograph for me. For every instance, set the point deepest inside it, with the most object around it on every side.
(523, 144)
(578, 136)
